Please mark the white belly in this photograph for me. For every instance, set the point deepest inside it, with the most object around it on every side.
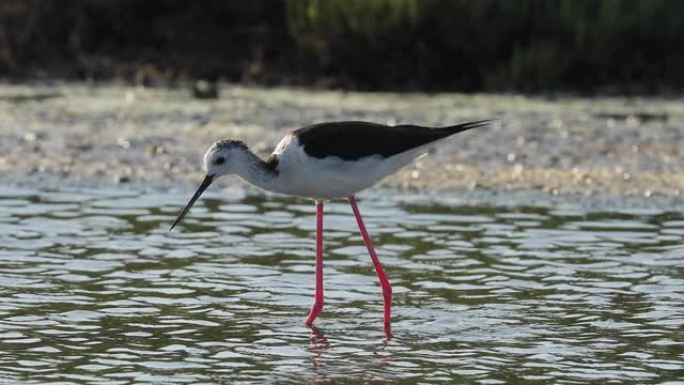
(332, 177)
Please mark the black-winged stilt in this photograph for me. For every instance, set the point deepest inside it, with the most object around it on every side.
(327, 161)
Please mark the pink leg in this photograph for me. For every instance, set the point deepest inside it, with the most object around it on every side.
(318, 296)
(384, 282)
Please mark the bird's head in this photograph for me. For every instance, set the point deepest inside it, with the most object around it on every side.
(220, 159)
(223, 156)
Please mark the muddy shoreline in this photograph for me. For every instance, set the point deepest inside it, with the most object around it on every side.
(73, 134)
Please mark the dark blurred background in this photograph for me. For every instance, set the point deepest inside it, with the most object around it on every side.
(604, 46)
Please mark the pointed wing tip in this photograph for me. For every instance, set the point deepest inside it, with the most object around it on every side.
(480, 123)
(470, 125)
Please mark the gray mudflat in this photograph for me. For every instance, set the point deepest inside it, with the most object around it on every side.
(117, 134)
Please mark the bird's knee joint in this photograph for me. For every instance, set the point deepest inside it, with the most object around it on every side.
(318, 305)
(387, 293)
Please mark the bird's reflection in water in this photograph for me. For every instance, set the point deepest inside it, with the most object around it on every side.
(383, 353)
(333, 382)
(318, 344)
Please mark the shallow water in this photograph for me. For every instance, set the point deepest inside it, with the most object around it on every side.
(96, 290)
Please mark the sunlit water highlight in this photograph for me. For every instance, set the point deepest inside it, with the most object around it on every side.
(96, 290)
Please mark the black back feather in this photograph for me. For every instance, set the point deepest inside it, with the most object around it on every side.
(354, 140)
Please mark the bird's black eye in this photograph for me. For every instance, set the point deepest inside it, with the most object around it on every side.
(220, 160)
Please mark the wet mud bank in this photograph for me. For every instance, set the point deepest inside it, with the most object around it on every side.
(72, 134)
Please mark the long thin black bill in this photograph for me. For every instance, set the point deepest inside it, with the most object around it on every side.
(203, 186)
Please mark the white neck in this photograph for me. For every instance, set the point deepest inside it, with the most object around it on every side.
(256, 171)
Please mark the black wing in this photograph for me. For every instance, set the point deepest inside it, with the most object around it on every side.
(355, 140)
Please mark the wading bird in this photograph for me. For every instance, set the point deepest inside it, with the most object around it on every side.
(328, 161)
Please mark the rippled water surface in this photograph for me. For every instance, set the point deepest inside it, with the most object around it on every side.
(96, 290)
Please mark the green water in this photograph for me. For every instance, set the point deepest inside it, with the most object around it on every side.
(96, 290)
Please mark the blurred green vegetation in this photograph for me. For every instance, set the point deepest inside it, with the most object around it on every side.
(493, 44)
(464, 45)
